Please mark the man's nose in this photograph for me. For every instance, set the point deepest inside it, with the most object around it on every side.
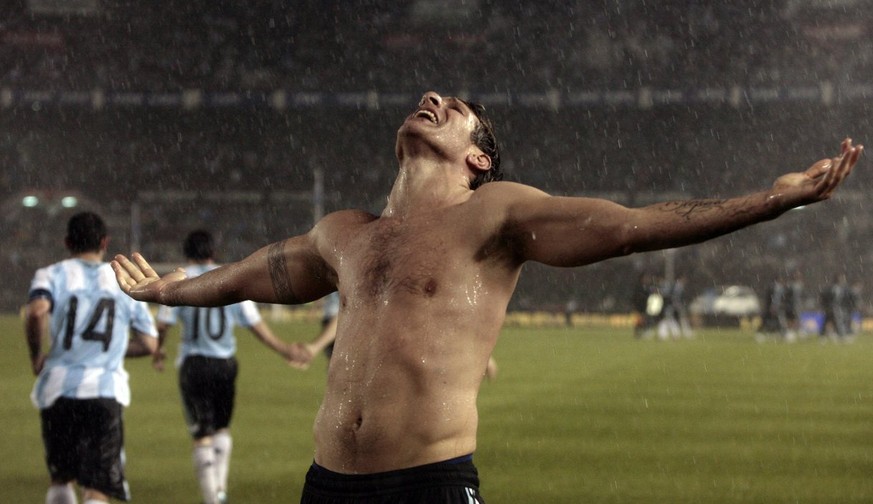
(430, 97)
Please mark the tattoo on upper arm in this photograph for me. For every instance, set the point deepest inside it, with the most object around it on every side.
(279, 272)
(686, 209)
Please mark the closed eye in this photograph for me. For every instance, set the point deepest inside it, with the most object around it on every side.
(459, 110)
(459, 106)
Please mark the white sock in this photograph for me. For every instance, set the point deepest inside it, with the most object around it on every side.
(223, 444)
(95, 501)
(60, 494)
(204, 467)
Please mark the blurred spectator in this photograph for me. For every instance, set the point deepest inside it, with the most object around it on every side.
(794, 306)
(641, 305)
(835, 300)
(774, 319)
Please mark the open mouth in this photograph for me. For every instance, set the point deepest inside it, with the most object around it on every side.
(427, 114)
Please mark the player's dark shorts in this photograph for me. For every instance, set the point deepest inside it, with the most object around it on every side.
(84, 442)
(328, 349)
(449, 482)
(208, 388)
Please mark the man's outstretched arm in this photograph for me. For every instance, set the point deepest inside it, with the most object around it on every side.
(288, 272)
(576, 231)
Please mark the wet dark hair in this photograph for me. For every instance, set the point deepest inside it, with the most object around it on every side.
(484, 138)
(85, 232)
(198, 245)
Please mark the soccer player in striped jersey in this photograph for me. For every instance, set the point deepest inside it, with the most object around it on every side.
(82, 384)
(208, 368)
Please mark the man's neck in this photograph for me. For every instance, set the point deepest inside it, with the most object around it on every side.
(422, 186)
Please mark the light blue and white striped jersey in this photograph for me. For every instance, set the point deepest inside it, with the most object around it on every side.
(209, 331)
(89, 326)
(331, 305)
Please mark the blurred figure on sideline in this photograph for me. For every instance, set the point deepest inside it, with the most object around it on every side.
(647, 305)
(774, 320)
(794, 306)
(680, 301)
(834, 301)
(853, 308)
(570, 309)
(674, 322)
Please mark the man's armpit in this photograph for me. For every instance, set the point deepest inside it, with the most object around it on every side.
(279, 273)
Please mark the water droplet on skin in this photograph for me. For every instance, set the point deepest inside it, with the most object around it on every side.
(473, 293)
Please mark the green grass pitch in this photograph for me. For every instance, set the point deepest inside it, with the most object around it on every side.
(575, 415)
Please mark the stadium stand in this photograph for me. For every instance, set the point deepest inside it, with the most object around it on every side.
(226, 113)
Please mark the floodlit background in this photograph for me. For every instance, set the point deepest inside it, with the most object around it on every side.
(255, 118)
(258, 118)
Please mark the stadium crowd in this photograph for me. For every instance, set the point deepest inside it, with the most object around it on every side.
(363, 45)
(252, 171)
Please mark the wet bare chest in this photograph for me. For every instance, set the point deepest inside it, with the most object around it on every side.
(403, 258)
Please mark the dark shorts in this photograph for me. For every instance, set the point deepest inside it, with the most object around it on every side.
(328, 349)
(208, 388)
(84, 442)
(449, 482)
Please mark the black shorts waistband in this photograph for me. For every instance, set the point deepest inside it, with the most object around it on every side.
(457, 472)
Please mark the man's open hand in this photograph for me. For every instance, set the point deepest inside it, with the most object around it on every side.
(821, 179)
(137, 278)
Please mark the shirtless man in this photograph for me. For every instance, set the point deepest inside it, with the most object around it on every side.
(424, 289)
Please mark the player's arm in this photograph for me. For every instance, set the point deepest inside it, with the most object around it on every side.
(324, 338)
(160, 354)
(288, 272)
(562, 231)
(36, 330)
(294, 353)
(141, 344)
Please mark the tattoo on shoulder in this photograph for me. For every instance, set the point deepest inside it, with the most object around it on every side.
(279, 272)
(688, 208)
